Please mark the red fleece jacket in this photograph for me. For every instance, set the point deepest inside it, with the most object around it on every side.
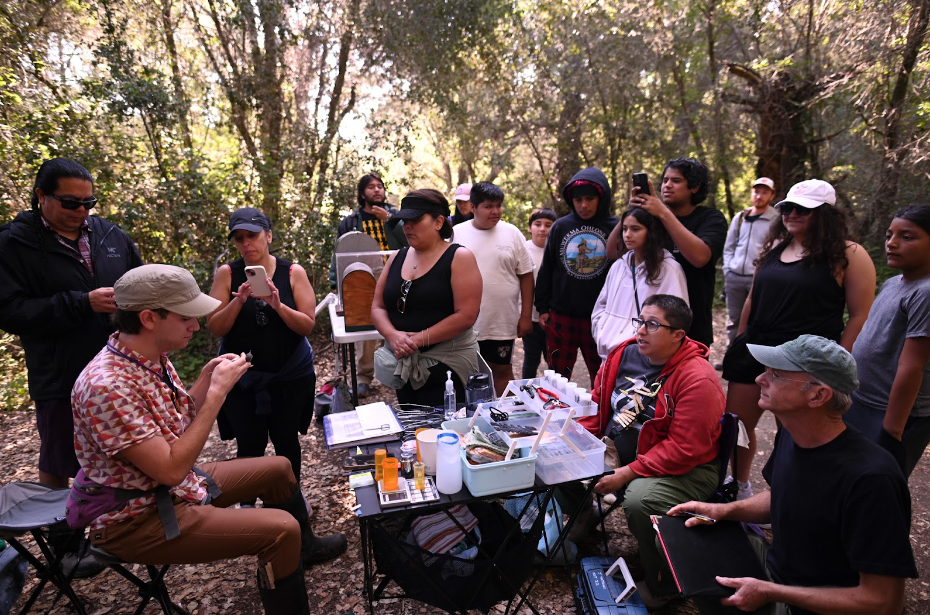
(685, 432)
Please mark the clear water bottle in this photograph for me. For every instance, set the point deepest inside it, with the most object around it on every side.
(448, 404)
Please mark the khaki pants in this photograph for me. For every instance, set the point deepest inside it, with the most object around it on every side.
(365, 360)
(213, 532)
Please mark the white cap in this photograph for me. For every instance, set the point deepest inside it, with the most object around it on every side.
(811, 193)
(463, 192)
(764, 181)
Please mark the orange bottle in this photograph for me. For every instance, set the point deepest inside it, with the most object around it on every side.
(389, 470)
(380, 454)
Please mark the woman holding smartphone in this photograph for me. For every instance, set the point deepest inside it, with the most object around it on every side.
(269, 315)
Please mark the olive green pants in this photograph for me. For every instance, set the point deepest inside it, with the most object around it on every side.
(655, 496)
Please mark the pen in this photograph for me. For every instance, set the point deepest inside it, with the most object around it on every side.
(697, 516)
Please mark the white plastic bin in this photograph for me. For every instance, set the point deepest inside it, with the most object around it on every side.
(557, 462)
(499, 477)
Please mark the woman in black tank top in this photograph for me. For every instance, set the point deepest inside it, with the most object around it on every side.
(807, 274)
(268, 402)
(430, 294)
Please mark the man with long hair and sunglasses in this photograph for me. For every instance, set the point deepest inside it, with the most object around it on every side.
(58, 265)
(659, 407)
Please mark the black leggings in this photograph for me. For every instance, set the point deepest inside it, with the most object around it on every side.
(288, 400)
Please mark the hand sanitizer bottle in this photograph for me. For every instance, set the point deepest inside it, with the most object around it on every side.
(449, 399)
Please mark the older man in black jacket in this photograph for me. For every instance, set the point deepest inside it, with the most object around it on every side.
(57, 268)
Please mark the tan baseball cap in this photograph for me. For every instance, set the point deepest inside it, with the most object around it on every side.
(150, 287)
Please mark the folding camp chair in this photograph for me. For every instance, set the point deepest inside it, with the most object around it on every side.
(31, 508)
(153, 588)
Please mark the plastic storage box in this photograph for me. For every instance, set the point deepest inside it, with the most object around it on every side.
(557, 462)
(499, 477)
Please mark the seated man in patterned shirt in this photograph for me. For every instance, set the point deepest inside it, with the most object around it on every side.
(136, 427)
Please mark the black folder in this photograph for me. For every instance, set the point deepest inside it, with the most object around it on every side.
(699, 554)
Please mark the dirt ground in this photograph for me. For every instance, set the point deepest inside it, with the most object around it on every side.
(336, 587)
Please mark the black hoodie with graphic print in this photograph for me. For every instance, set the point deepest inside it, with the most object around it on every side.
(575, 261)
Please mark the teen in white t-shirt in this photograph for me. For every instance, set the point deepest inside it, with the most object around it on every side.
(507, 274)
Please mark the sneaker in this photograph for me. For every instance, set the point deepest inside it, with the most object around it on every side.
(651, 600)
(610, 499)
(584, 524)
(744, 492)
(362, 390)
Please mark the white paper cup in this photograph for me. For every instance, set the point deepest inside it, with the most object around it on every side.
(427, 442)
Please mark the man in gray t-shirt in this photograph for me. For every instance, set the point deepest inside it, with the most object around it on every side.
(898, 322)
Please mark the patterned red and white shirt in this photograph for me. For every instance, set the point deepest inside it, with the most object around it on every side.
(121, 400)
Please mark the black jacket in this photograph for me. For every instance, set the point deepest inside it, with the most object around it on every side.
(575, 262)
(44, 298)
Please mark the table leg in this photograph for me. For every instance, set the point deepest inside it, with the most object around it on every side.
(354, 374)
(366, 561)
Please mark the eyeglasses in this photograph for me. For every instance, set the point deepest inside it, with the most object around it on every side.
(786, 209)
(72, 205)
(261, 318)
(404, 291)
(651, 325)
(775, 376)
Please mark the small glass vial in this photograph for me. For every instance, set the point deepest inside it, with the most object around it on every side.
(380, 455)
(389, 470)
(406, 463)
(419, 475)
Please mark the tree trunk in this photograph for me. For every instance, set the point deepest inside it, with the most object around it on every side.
(886, 191)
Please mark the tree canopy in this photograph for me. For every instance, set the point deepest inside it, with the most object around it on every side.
(185, 110)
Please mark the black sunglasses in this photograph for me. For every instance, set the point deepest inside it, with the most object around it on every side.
(73, 205)
(261, 318)
(787, 208)
(404, 290)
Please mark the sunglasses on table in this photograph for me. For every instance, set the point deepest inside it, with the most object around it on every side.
(651, 325)
(404, 291)
(787, 208)
(73, 205)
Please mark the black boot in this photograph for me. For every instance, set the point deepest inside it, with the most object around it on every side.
(289, 596)
(313, 549)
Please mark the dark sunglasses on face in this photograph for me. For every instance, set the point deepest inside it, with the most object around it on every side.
(74, 205)
(404, 290)
(787, 208)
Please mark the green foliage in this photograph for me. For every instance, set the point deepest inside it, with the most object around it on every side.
(14, 393)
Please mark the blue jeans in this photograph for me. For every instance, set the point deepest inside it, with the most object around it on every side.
(908, 451)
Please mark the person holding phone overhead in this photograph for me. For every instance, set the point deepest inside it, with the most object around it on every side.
(273, 397)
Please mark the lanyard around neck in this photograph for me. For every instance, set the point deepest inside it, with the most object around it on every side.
(165, 376)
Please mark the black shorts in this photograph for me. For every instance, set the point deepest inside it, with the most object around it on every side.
(738, 365)
(497, 352)
(56, 433)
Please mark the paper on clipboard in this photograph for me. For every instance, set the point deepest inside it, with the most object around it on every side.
(377, 418)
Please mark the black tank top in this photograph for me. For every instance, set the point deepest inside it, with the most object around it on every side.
(430, 298)
(790, 299)
(273, 343)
